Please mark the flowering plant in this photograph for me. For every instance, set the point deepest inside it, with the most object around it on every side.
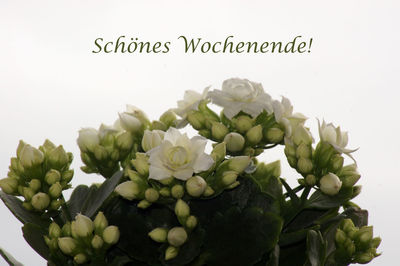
(166, 201)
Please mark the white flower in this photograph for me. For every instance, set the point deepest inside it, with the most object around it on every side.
(191, 100)
(178, 156)
(334, 136)
(132, 119)
(283, 112)
(152, 139)
(31, 156)
(241, 95)
(330, 184)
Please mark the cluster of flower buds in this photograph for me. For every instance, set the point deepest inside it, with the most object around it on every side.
(82, 239)
(39, 176)
(355, 244)
(167, 120)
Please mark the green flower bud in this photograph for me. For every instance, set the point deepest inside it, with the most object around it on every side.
(66, 229)
(15, 164)
(340, 237)
(52, 176)
(80, 258)
(100, 153)
(111, 234)
(303, 151)
(167, 181)
(356, 191)
(100, 222)
(182, 210)
(233, 185)
(311, 180)
(67, 245)
(364, 258)
(177, 191)
(364, 235)
(97, 242)
(58, 158)
(290, 149)
(152, 139)
(141, 164)
(274, 135)
(254, 135)
(177, 236)
(54, 230)
(336, 163)
(151, 195)
(205, 133)
(88, 139)
(219, 152)
(55, 204)
(67, 175)
(239, 163)
(243, 123)
(83, 226)
(9, 185)
(48, 146)
(128, 190)
(349, 247)
(301, 134)
(218, 131)
(27, 205)
(144, 204)
(376, 241)
(158, 125)
(21, 145)
(330, 184)
(304, 165)
(159, 235)
(28, 193)
(40, 201)
(171, 252)
(347, 225)
(349, 175)
(130, 122)
(30, 156)
(35, 184)
(55, 190)
(191, 222)
(195, 186)
(209, 191)
(229, 177)
(234, 142)
(124, 140)
(292, 161)
(168, 118)
(165, 192)
(196, 120)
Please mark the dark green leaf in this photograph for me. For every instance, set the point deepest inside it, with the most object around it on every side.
(77, 200)
(33, 234)
(295, 199)
(274, 257)
(267, 177)
(316, 248)
(24, 216)
(9, 258)
(321, 201)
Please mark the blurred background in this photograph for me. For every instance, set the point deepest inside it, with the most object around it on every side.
(51, 84)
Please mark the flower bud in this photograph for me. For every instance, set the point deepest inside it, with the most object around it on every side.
(128, 190)
(311, 180)
(66, 229)
(55, 204)
(35, 184)
(111, 234)
(234, 142)
(254, 135)
(141, 164)
(151, 195)
(209, 191)
(54, 230)
(144, 204)
(88, 139)
(304, 165)
(195, 186)
(233, 185)
(340, 237)
(171, 252)
(336, 163)
(159, 234)
(58, 158)
(9, 185)
(97, 242)
(364, 258)
(48, 146)
(124, 140)
(55, 190)
(303, 151)
(191, 222)
(219, 152)
(182, 210)
(243, 123)
(364, 235)
(347, 226)
(52, 176)
(31, 156)
(130, 123)
(239, 163)
(40, 201)
(330, 184)
(100, 153)
(229, 177)
(196, 120)
(27, 205)
(67, 245)
(158, 125)
(301, 134)
(168, 118)
(21, 145)
(100, 222)
(80, 258)
(165, 192)
(177, 236)
(376, 241)
(177, 191)
(274, 135)
(218, 131)
(83, 225)
(349, 247)
(356, 191)
(152, 139)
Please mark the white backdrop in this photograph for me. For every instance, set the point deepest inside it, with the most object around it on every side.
(51, 84)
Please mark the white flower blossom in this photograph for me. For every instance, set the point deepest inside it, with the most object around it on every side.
(334, 136)
(178, 156)
(191, 100)
(283, 112)
(152, 139)
(241, 95)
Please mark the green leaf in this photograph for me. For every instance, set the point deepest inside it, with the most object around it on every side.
(96, 196)
(267, 177)
(295, 199)
(320, 200)
(9, 258)
(316, 248)
(24, 216)
(77, 200)
(274, 257)
(33, 234)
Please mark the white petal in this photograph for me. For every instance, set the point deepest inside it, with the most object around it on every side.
(159, 173)
(203, 163)
(183, 174)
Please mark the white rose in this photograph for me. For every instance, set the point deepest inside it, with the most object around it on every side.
(191, 100)
(88, 139)
(241, 95)
(283, 112)
(178, 156)
(152, 139)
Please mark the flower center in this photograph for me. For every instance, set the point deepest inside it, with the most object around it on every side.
(177, 155)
